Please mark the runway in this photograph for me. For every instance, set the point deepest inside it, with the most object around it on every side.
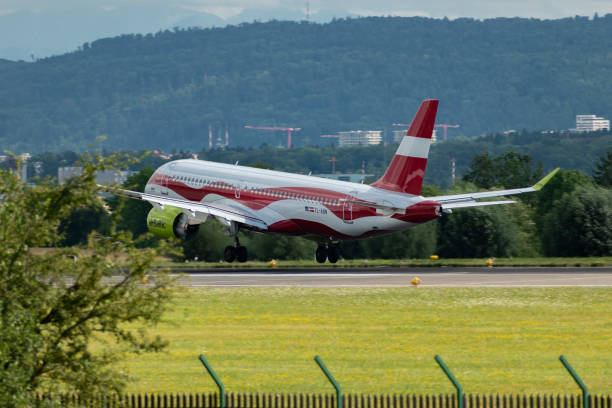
(388, 277)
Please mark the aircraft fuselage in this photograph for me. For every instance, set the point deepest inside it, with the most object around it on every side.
(293, 204)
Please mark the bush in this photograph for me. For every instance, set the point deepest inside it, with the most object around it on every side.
(580, 224)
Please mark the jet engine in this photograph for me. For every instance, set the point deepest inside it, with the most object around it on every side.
(171, 222)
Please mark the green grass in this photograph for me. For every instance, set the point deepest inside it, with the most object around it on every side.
(365, 263)
(383, 340)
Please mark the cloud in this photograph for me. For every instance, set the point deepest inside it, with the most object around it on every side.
(394, 13)
(437, 9)
(224, 12)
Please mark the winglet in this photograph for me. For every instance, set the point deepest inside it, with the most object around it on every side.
(538, 186)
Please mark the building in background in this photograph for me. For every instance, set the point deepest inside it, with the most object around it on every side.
(359, 138)
(18, 165)
(102, 177)
(591, 123)
(399, 134)
(352, 177)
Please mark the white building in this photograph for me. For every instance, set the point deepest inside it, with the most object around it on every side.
(359, 138)
(591, 123)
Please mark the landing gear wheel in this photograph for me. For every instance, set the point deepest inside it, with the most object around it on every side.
(332, 253)
(241, 254)
(229, 254)
(321, 254)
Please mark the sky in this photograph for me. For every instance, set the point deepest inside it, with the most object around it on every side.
(31, 29)
(434, 8)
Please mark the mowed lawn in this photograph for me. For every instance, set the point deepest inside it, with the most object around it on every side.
(382, 340)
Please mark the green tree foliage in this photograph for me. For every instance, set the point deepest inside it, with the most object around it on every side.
(564, 182)
(509, 170)
(603, 170)
(132, 214)
(266, 247)
(82, 221)
(163, 90)
(498, 231)
(476, 233)
(418, 242)
(54, 305)
(580, 224)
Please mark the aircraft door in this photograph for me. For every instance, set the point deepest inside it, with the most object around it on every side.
(347, 211)
(237, 187)
(164, 180)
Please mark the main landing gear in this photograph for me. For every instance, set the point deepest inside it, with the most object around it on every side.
(236, 251)
(327, 251)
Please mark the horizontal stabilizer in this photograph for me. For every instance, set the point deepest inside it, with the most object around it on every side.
(469, 199)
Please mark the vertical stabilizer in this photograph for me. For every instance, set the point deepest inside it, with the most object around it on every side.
(407, 169)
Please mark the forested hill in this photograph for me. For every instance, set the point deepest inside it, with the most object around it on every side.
(164, 90)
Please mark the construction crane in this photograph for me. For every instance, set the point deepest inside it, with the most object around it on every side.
(288, 129)
(445, 127)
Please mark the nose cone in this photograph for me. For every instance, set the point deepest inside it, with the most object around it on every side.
(421, 212)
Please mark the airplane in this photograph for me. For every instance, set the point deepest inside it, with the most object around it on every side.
(186, 193)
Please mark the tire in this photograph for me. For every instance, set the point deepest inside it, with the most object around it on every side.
(241, 254)
(332, 254)
(229, 254)
(321, 254)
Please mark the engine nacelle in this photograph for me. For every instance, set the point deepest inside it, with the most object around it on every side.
(171, 222)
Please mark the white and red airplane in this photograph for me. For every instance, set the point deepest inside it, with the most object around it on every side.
(185, 193)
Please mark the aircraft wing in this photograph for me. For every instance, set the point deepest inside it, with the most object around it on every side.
(192, 207)
(469, 199)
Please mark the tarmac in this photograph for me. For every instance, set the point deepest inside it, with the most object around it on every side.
(398, 277)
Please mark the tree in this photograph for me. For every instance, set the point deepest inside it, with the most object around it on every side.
(486, 231)
(509, 170)
(133, 213)
(603, 170)
(82, 221)
(476, 233)
(54, 304)
(565, 181)
(580, 224)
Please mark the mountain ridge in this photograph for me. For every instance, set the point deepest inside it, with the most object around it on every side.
(164, 90)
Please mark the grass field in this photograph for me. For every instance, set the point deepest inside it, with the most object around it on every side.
(383, 340)
(395, 263)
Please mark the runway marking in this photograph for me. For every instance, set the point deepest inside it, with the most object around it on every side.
(293, 275)
(239, 285)
(511, 277)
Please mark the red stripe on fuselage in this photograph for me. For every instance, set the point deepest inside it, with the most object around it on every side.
(418, 213)
(404, 174)
(317, 228)
(260, 198)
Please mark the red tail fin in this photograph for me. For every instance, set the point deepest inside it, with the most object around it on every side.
(407, 169)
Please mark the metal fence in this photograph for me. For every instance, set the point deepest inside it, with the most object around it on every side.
(246, 400)
(222, 399)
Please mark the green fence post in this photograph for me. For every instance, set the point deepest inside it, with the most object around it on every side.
(216, 379)
(331, 380)
(585, 391)
(452, 378)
